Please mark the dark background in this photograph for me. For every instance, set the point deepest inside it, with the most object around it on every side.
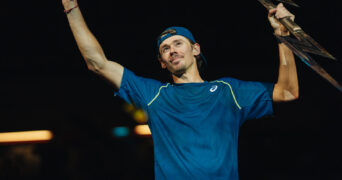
(45, 85)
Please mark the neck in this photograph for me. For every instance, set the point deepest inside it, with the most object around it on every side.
(190, 76)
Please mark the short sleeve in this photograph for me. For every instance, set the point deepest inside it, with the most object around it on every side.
(255, 98)
(137, 90)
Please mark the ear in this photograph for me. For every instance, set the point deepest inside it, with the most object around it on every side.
(162, 64)
(196, 49)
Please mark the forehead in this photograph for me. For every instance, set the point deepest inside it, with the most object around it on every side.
(171, 39)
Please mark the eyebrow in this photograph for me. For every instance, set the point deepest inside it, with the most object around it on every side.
(171, 42)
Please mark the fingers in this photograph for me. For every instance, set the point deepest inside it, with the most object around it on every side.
(280, 12)
(271, 12)
(272, 19)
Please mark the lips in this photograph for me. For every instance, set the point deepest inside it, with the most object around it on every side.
(175, 59)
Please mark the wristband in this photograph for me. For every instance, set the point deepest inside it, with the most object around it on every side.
(281, 39)
(69, 10)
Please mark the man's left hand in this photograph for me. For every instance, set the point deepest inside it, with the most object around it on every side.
(277, 13)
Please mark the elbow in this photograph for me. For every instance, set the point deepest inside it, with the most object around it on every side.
(296, 95)
(92, 68)
(284, 95)
(290, 95)
(95, 64)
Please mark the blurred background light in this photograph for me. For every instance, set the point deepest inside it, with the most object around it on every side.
(139, 115)
(128, 107)
(120, 131)
(142, 130)
(26, 136)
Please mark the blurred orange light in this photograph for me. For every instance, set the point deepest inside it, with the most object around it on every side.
(25, 136)
(140, 116)
(142, 130)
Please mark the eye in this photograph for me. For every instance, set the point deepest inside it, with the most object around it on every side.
(165, 49)
(178, 43)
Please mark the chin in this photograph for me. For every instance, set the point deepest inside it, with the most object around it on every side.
(179, 71)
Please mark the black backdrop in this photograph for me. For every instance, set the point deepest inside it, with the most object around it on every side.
(45, 85)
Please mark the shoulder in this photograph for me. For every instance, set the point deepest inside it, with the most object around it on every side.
(237, 83)
(137, 89)
(233, 82)
(139, 85)
(248, 88)
(129, 75)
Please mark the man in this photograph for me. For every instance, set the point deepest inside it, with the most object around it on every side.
(194, 123)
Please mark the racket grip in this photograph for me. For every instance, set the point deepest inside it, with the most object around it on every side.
(290, 25)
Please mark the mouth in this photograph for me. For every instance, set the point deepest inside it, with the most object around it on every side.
(175, 59)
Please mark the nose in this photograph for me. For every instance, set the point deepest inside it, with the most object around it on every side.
(172, 50)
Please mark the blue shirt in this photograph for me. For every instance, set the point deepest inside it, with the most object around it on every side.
(195, 126)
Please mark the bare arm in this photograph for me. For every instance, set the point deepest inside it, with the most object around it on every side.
(90, 48)
(286, 88)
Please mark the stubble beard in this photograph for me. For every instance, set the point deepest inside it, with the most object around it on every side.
(179, 71)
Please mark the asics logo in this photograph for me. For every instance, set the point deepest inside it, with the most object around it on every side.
(213, 88)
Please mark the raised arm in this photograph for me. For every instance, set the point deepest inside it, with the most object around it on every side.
(286, 88)
(90, 48)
